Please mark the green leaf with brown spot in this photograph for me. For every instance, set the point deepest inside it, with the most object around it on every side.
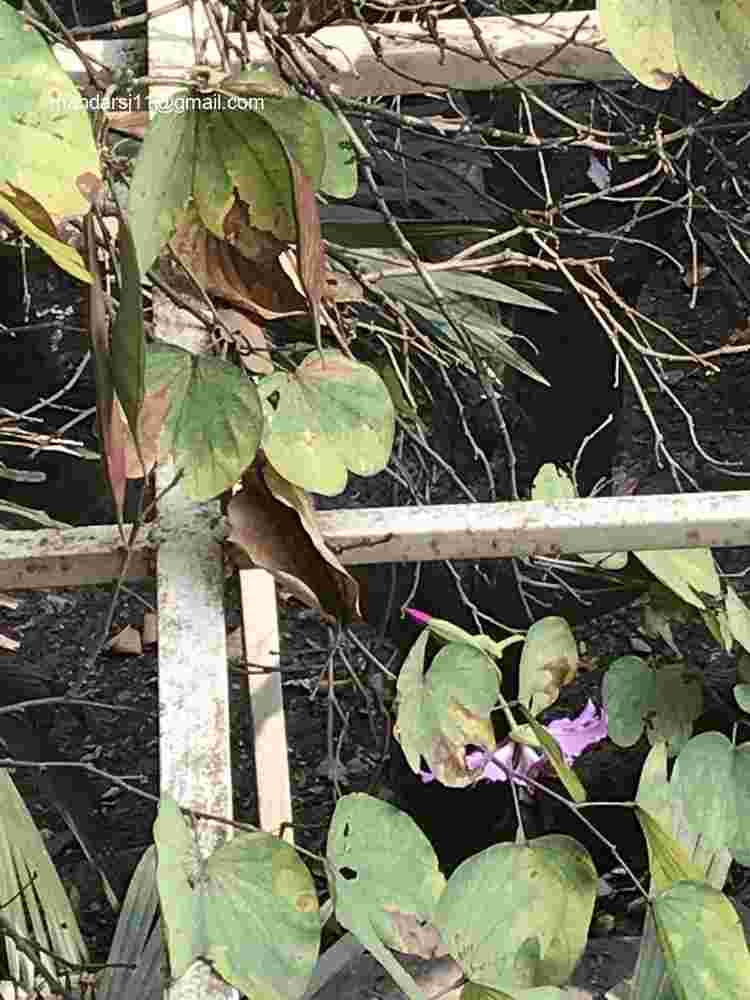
(331, 416)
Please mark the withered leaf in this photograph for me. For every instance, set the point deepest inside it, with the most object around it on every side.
(272, 525)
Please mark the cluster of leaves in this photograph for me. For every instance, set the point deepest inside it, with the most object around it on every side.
(694, 824)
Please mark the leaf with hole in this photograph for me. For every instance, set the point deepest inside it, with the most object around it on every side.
(384, 878)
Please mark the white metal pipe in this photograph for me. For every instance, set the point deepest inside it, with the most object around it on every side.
(34, 560)
(538, 528)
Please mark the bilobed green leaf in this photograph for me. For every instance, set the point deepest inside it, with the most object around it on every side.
(162, 183)
(261, 910)
(384, 877)
(629, 697)
(48, 148)
(703, 942)
(688, 572)
(330, 416)
(517, 916)
(712, 779)
(250, 908)
(657, 40)
(215, 419)
(669, 699)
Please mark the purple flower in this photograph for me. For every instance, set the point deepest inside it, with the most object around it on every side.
(515, 756)
(575, 735)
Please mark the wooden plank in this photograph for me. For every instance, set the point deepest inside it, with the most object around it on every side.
(351, 64)
(261, 639)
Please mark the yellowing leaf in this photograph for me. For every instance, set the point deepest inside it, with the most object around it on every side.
(48, 148)
(214, 421)
(331, 415)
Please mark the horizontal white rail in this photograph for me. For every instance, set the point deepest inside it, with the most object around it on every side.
(35, 560)
(538, 528)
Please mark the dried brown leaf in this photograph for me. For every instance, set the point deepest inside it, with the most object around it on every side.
(272, 525)
(150, 422)
(258, 285)
(310, 255)
(250, 341)
(127, 642)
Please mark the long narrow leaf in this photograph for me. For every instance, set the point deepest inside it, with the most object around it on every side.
(136, 953)
(34, 899)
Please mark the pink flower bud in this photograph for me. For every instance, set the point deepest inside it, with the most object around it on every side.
(420, 617)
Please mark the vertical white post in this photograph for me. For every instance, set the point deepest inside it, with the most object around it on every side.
(194, 741)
